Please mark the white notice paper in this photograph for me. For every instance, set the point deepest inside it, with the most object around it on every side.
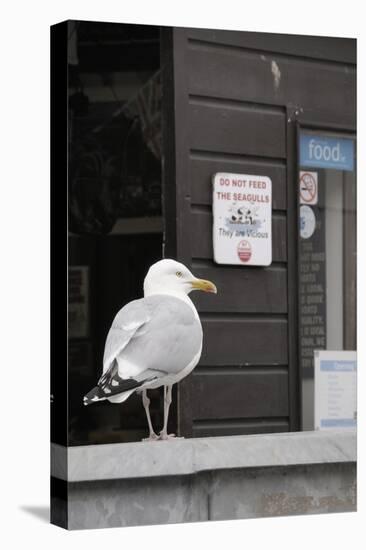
(335, 386)
(242, 219)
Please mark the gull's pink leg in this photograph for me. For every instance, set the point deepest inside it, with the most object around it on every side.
(167, 401)
(146, 404)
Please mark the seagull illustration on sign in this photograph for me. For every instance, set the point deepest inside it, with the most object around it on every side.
(154, 341)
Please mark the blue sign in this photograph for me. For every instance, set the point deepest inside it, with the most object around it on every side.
(338, 366)
(317, 151)
(338, 423)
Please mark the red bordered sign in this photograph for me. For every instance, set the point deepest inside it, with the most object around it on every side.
(308, 183)
(242, 219)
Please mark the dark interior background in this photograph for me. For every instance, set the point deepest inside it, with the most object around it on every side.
(115, 223)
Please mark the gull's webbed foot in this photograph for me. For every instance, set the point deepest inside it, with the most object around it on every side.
(152, 437)
(163, 436)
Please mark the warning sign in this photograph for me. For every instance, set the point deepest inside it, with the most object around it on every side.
(242, 219)
(308, 187)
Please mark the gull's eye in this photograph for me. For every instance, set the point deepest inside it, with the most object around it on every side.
(179, 274)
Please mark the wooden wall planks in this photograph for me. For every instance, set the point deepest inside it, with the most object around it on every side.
(238, 289)
(236, 395)
(337, 50)
(236, 128)
(242, 75)
(234, 96)
(238, 341)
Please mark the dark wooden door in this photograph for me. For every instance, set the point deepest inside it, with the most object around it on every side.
(230, 102)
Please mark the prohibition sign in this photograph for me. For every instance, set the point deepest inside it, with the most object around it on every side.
(308, 187)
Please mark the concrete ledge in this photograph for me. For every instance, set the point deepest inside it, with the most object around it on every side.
(190, 456)
(212, 496)
(204, 479)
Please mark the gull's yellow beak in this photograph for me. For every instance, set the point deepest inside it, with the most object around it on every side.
(206, 286)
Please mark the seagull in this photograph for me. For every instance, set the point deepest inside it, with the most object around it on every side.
(154, 341)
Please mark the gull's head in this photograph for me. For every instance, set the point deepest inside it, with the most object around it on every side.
(171, 277)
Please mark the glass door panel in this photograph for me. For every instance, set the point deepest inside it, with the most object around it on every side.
(327, 253)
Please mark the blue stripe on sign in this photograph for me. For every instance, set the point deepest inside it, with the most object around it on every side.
(338, 423)
(319, 151)
(338, 366)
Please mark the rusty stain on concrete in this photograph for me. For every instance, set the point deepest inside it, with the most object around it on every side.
(282, 504)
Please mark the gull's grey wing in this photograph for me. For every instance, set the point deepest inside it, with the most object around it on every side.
(125, 324)
(158, 333)
(167, 342)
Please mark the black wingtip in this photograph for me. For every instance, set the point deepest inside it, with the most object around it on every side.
(105, 390)
(93, 396)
